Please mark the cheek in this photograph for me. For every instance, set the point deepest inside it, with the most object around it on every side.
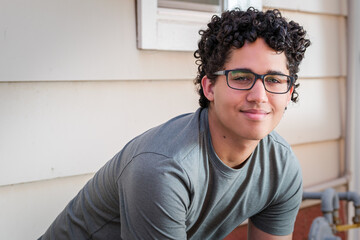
(229, 98)
(279, 102)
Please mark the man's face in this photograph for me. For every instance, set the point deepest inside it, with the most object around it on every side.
(247, 114)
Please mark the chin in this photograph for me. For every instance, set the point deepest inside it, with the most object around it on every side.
(257, 136)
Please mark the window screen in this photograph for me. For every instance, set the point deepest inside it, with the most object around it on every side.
(196, 5)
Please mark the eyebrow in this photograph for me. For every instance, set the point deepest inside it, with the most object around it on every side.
(268, 72)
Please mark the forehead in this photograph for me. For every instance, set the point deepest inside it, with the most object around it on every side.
(258, 57)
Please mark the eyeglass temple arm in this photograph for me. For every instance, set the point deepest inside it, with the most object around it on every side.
(220, 72)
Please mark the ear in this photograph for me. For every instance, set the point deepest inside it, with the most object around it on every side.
(290, 94)
(208, 86)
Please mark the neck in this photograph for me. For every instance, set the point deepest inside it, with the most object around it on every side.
(231, 149)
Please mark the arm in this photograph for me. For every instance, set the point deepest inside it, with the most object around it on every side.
(255, 233)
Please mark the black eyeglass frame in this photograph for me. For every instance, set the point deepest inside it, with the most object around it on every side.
(257, 76)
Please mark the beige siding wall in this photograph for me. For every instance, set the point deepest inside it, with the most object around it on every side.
(58, 129)
(74, 89)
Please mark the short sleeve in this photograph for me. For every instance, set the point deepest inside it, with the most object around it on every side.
(93, 213)
(153, 198)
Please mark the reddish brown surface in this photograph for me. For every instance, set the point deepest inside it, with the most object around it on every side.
(302, 225)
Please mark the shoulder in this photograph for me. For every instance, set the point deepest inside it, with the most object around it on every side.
(276, 140)
(277, 163)
(284, 167)
(278, 150)
(175, 140)
(153, 169)
(176, 137)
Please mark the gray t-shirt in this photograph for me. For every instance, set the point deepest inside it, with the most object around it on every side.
(168, 183)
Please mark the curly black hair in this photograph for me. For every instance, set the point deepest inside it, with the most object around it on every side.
(234, 28)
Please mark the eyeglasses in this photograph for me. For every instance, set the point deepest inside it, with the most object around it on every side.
(244, 79)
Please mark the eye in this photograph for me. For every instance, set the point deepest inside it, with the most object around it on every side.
(239, 76)
(274, 80)
(242, 78)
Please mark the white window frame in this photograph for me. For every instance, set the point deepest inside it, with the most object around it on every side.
(175, 29)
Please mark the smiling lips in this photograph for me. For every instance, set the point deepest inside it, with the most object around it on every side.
(255, 114)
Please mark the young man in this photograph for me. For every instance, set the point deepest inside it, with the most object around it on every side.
(200, 175)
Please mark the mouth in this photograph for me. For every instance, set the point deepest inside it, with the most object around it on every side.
(255, 114)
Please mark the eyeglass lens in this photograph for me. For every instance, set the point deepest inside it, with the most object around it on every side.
(244, 80)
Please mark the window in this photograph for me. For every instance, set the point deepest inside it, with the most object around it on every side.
(196, 5)
(174, 24)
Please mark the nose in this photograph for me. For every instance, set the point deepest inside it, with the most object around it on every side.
(257, 93)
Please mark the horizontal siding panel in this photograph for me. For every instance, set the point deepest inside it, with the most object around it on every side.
(317, 115)
(326, 57)
(319, 161)
(336, 7)
(57, 129)
(38, 204)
